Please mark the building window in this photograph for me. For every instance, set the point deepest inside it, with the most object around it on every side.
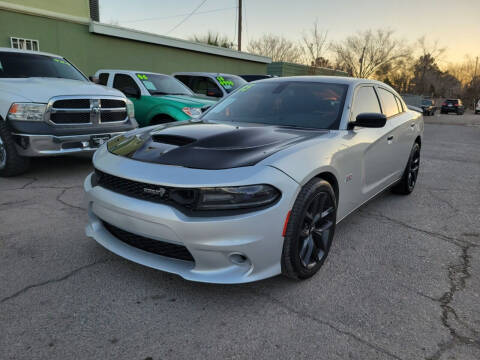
(24, 44)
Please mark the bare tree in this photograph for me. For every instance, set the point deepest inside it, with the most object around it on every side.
(315, 46)
(364, 53)
(213, 38)
(276, 47)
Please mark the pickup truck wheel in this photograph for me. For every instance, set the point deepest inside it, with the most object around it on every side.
(310, 230)
(11, 163)
(410, 175)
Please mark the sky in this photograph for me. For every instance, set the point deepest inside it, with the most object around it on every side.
(454, 24)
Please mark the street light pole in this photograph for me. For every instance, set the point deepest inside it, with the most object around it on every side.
(239, 25)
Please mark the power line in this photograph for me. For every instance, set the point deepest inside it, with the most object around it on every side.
(179, 15)
(187, 17)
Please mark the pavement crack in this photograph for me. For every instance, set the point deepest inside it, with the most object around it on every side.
(305, 315)
(449, 239)
(458, 274)
(54, 280)
(59, 199)
(432, 193)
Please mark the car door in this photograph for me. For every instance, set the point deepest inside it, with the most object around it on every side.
(401, 132)
(375, 145)
(123, 81)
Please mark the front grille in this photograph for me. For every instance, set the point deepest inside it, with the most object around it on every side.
(185, 198)
(150, 245)
(72, 104)
(70, 118)
(108, 116)
(71, 111)
(112, 104)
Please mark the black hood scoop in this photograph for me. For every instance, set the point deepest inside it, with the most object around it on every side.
(208, 145)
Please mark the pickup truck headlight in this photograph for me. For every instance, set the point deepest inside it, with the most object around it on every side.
(130, 109)
(192, 111)
(238, 197)
(27, 111)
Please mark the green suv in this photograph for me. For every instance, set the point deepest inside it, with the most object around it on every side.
(157, 98)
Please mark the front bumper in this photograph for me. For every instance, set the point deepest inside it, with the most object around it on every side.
(49, 145)
(210, 240)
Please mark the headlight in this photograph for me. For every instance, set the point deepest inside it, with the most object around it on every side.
(130, 109)
(192, 112)
(27, 111)
(227, 198)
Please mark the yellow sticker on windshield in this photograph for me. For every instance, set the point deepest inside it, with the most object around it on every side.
(142, 76)
(227, 84)
(60, 61)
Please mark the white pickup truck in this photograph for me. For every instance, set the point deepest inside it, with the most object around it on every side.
(48, 107)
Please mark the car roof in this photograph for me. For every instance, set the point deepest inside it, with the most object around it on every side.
(131, 72)
(21, 51)
(329, 79)
(199, 73)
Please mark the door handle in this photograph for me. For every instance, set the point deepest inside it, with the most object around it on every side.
(412, 125)
(390, 138)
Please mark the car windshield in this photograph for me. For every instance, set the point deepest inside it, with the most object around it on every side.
(230, 83)
(25, 65)
(158, 84)
(284, 103)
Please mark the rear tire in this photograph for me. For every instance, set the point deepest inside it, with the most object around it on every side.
(11, 164)
(410, 175)
(310, 230)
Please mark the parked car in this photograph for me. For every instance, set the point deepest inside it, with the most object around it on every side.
(453, 105)
(250, 78)
(158, 98)
(48, 107)
(256, 186)
(214, 85)
(428, 107)
(477, 108)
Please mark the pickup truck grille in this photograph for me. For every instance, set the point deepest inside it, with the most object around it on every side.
(85, 110)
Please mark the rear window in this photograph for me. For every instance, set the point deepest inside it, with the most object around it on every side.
(390, 105)
(21, 65)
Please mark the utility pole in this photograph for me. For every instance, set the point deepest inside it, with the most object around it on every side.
(239, 25)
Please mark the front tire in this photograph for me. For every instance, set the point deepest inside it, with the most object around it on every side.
(310, 230)
(410, 175)
(11, 164)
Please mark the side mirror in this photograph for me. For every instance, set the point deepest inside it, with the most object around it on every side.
(131, 92)
(369, 120)
(93, 79)
(214, 92)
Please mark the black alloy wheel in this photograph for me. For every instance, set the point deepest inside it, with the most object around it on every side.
(310, 230)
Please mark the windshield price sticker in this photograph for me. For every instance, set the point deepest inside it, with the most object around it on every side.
(142, 76)
(60, 61)
(227, 84)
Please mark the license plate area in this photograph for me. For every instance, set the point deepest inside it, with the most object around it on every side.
(98, 140)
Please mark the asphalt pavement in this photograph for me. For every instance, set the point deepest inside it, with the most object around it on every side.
(402, 280)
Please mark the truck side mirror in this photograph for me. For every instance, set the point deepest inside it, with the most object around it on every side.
(132, 92)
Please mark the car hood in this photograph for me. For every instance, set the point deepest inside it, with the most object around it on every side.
(193, 101)
(208, 145)
(43, 89)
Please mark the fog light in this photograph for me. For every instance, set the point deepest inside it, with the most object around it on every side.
(238, 259)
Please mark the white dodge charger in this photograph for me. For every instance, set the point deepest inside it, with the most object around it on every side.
(256, 186)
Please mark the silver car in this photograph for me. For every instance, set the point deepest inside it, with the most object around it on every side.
(256, 186)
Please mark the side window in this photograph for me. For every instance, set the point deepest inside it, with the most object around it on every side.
(399, 103)
(389, 103)
(103, 79)
(205, 86)
(184, 79)
(366, 101)
(122, 81)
